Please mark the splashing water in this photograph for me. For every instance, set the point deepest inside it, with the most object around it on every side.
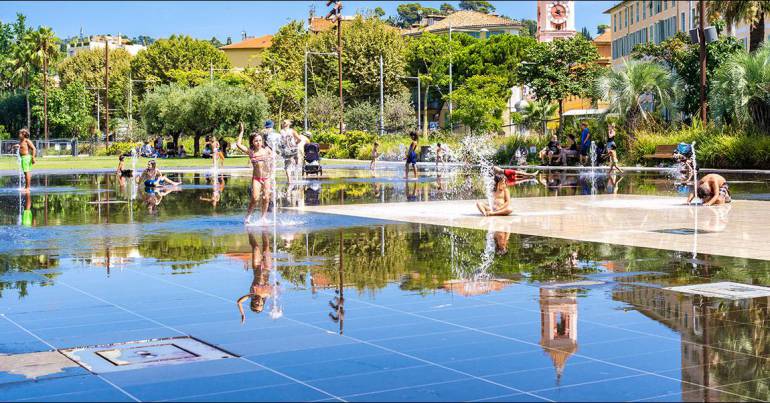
(592, 154)
(695, 174)
(478, 151)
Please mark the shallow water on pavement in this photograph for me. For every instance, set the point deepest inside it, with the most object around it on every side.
(359, 309)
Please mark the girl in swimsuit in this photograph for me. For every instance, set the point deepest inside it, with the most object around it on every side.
(261, 264)
(411, 156)
(261, 159)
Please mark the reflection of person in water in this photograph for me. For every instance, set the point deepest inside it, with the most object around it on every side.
(715, 220)
(501, 242)
(261, 264)
(153, 196)
(411, 191)
(612, 183)
(217, 187)
(26, 215)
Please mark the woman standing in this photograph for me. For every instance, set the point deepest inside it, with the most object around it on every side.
(262, 164)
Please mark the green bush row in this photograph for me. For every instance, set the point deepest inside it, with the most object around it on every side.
(721, 147)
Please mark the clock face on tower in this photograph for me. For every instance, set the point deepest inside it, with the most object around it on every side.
(558, 13)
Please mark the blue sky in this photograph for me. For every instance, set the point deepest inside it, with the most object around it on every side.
(204, 19)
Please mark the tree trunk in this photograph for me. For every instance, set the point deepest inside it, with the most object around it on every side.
(29, 113)
(45, 98)
(561, 116)
(196, 145)
(175, 139)
(757, 34)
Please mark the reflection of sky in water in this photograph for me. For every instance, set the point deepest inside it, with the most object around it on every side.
(560, 312)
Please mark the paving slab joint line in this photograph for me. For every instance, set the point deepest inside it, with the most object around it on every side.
(103, 379)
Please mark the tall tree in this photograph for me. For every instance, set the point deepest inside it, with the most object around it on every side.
(499, 55)
(739, 93)
(216, 42)
(428, 58)
(45, 47)
(623, 90)
(530, 27)
(751, 12)
(560, 69)
(481, 6)
(681, 56)
(480, 103)
(446, 8)
(586, 34)
(88, 67)
(156, 63)
(601, 28)
(411, 13)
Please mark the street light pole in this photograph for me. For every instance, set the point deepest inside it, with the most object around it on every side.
(450, 78)
(106, 91)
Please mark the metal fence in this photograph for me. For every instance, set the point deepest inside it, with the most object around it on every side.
(52, 147)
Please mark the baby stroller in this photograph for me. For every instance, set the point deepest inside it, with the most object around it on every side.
(312, 163)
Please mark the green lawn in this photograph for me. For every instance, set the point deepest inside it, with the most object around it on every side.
(64, 163)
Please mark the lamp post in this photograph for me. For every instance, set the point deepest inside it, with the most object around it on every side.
(702, 56)
(307, 53)
(419, 121)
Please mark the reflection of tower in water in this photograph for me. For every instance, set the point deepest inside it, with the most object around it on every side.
(558, 325)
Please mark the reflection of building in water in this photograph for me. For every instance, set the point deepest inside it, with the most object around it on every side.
(688, 317)
(558, 325)
(468, 288)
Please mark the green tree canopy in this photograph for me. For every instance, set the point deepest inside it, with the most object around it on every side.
(410, 13)
(363, 41)
(156, 63)
(69, 110)
(682, 56)
(560, 69)
(741, 89)
(499, 55)
(480, 103)
(481, 6)
(88, 67)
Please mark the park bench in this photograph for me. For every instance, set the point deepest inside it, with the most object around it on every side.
(662, 152)
(323, 147)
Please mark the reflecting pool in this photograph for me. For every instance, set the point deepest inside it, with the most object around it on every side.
(327, 307)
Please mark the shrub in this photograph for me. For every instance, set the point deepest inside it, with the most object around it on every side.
(345, 145)
(119, 148)
(400, 115)
(363, 116)
(715, 147)
(508, 146)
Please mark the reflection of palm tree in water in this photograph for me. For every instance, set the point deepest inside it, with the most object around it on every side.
(261, 264)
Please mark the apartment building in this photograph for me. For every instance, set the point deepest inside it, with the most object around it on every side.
(642, 21)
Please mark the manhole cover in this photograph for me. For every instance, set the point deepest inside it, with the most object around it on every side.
(682, 231)
(145, 353)
(725, 289)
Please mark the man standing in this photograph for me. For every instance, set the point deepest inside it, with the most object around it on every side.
(27, 153)
(585, 142)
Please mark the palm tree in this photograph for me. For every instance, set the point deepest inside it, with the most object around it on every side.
(21, 69)
(625, 90)
(741, 89)
(45, 47)
(536, 114)
(751, 12)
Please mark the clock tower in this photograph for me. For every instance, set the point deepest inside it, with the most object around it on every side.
(555, 20)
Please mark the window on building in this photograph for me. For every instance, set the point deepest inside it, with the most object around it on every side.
(665, 4)
(657, 6)
(632, 14)
(625, 12)
(615, 22)
(681, 24)
(637, 11)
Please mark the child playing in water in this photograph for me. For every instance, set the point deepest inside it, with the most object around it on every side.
(439, 154)
(216, 151)
(502, 200)
(513, 175)
(261, 158)
(152, 177)
(375, 155)
(27, 153)
(411, 155)
(121, 171)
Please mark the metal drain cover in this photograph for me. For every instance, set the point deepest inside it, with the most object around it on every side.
(682, 231)
(725, 289)
(142, 354)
